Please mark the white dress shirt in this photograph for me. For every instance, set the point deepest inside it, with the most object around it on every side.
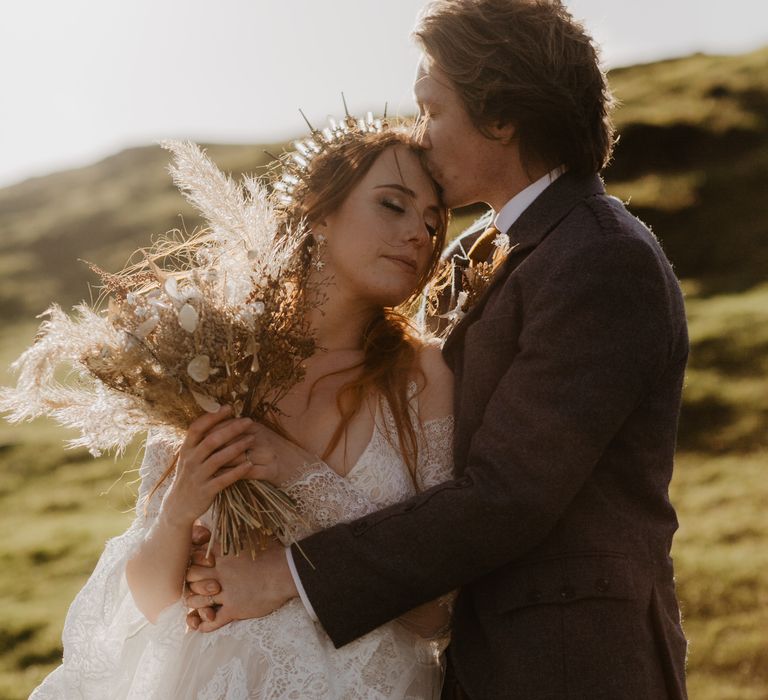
(512, 210)
(503, 221)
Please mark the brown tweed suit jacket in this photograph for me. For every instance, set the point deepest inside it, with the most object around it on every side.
(558, 526)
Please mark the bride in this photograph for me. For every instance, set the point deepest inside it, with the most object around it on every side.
(374, 406)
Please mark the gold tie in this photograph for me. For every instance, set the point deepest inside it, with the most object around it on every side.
(484, 249)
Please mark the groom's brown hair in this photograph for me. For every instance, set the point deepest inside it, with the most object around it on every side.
(530, 64)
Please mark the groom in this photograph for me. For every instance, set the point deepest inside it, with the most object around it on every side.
(568, 375)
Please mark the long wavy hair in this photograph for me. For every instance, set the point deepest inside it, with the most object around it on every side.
(530, 64)
(390, 342)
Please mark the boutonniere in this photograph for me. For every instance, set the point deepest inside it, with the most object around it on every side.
(470, 279)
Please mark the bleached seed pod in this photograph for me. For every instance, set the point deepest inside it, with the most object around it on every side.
(146, 327)
(253, 350)
(206, 402)
(199, 368)
(190, 292)
(171, 288)
(159, 303)
(188, 318)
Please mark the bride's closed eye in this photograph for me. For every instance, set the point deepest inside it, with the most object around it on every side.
(393, 206)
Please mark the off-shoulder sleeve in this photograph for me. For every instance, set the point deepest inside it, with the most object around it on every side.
(435, 458)
(434, 466)
(104, 631)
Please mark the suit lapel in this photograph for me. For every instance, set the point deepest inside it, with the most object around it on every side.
(534, 224)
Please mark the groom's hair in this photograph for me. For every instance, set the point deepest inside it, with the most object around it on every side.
(527, 63)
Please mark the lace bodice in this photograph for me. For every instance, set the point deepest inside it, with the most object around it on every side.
(111, 650)
(378, 479)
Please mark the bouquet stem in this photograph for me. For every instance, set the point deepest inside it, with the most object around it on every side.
(248, 514)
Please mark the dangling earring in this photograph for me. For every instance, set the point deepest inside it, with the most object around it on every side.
(315, 248)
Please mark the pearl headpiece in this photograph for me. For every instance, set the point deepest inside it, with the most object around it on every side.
(295, 165)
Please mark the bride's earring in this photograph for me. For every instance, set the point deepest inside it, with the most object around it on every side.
(316, 247)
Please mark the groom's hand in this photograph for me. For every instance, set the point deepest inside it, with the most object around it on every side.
(248, 588)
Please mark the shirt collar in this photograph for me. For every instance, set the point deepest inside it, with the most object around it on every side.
(512, 210)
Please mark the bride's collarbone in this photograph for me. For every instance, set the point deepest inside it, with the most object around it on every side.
(312, 424)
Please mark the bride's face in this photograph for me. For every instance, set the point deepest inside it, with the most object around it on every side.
(380, 241)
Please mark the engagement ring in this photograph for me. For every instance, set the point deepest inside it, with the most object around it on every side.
(211, 602)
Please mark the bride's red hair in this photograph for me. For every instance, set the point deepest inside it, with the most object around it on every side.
(390, 342)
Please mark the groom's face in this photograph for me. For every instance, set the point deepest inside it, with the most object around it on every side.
(459, 156)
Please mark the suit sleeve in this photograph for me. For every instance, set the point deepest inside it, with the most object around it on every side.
(596, 333)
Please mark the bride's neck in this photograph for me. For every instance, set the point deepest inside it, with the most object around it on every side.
(339, 324)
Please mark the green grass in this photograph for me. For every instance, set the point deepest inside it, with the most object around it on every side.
(59, 507)
(56, 511)
(714, 93)
(726, 391)
(721, 564)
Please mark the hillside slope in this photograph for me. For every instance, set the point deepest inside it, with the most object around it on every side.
(692, 160)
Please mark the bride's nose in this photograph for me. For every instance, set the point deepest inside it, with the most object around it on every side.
(417, 233)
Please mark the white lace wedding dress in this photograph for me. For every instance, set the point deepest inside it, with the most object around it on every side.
(112, 652)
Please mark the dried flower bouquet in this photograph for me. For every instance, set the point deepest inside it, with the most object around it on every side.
(216, 317)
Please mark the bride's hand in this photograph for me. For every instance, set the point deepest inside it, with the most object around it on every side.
(202, 469)
(243, 587)
(274, 458)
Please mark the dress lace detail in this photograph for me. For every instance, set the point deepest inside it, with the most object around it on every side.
(324, 498)
(112, 651)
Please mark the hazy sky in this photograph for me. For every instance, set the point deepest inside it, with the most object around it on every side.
(80, 79)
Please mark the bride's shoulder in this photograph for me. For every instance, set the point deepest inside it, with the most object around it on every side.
(430, 363)
(435, 382)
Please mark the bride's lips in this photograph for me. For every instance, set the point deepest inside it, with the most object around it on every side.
(403, 261)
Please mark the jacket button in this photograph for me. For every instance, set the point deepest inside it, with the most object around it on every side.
(464, 481)
(567, 592)
(602, 585)
(534, 596)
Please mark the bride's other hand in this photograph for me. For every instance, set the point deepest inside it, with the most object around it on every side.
(202, 469)
(274, 458)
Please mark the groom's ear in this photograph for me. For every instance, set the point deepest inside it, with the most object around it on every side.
(503, 131)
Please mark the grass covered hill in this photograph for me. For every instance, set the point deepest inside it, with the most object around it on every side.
(100, 213)
(692, 162)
